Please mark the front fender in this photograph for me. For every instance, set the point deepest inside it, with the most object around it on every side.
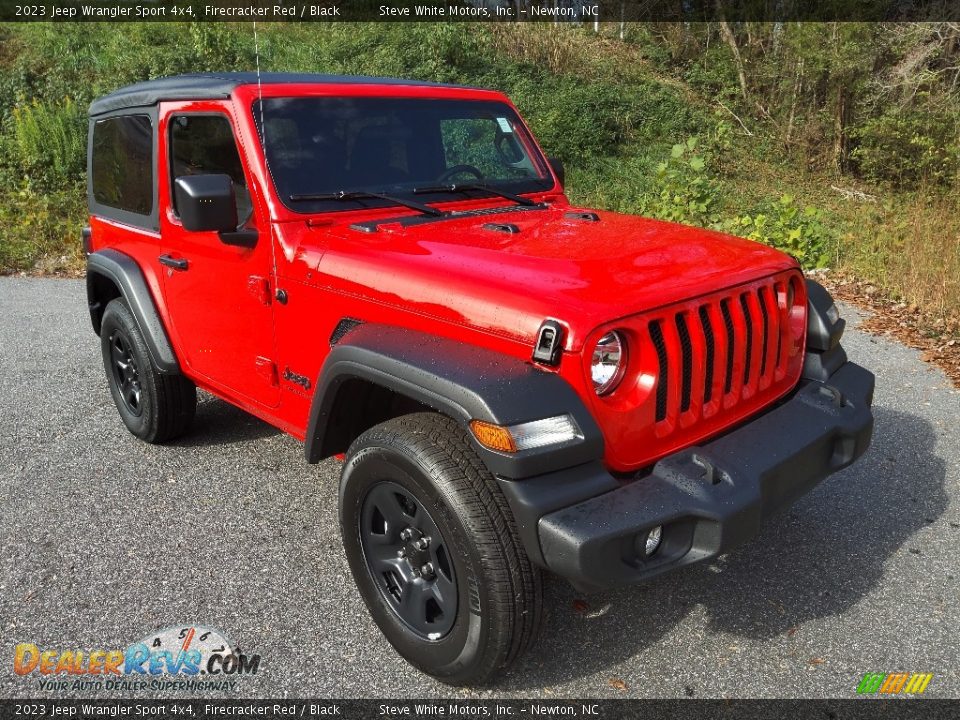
(462, 381)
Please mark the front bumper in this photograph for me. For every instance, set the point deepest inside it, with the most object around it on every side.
(708, 498)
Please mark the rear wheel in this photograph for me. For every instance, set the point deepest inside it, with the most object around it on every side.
(154, 407)
(432, 546)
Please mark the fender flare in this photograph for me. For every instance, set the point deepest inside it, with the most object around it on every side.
(824, 354)
(123, 271)
(462, 381)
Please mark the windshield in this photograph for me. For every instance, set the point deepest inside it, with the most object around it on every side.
(327, 145)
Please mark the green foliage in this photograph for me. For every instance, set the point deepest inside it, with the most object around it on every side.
(581, 121)
(909, 148)
(45, 144)
(797, 231)
(685, 190)
(41, 230)
(877, 100)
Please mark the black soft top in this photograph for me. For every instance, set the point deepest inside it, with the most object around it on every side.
(214, 86)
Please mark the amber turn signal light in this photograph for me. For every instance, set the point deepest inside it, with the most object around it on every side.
(493, 436)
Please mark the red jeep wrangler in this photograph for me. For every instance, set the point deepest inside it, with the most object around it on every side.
(389, 269)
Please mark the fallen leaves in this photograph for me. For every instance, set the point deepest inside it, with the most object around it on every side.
(936, 336)
(617, 684)
(816, 661)
(580, 607)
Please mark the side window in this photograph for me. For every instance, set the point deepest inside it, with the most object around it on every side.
(204, 145)
(122, 163)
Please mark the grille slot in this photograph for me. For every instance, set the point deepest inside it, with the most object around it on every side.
(710, 350)
(776, 309)
(663, 377)
(764, 330)
(686, 351)
(728, 326)
(748, 322)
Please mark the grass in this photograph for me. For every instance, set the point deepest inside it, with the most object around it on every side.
(42, 231)
(909, 247)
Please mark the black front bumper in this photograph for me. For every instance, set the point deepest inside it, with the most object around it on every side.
(707, 499)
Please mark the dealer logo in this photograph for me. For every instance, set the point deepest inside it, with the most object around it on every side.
(187, 652)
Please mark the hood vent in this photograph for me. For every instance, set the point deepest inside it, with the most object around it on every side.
(508, 228)
(582, 215)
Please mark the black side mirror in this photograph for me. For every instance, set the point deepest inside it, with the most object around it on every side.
(556, 164)
(208, 203)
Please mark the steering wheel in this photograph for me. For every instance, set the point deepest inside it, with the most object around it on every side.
(450, 173)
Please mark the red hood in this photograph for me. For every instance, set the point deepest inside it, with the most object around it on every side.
(580, 272)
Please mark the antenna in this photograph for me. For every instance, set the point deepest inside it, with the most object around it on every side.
(263, 129)
(263, 149)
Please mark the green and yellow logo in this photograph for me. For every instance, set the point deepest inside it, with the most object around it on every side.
(894, 683)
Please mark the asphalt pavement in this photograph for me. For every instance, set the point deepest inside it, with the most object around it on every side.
(104, 539)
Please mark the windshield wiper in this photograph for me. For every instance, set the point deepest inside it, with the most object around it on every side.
(363, 194)
(466, 187)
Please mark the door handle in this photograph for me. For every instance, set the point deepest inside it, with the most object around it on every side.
(175, 263)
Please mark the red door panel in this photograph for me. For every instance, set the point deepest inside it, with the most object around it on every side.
(218, 295)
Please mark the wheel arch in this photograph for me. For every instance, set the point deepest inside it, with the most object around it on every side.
(424, 372)
(112, 274)
(357, 404)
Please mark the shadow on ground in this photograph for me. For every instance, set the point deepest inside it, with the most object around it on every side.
(816, 560)
(219, 423)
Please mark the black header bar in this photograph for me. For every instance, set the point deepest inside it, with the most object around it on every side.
(864, 709)
(544, 11)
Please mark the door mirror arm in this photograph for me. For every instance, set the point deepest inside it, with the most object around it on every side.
(242, 237)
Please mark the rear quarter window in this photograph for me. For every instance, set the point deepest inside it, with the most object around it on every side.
(122, 163)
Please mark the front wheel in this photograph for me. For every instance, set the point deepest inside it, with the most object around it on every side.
(432, 546)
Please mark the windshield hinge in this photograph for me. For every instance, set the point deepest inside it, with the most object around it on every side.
(259, 287)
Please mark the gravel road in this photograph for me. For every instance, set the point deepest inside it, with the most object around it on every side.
(105, 539)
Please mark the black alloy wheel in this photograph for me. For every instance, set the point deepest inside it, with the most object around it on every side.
(126, 375)
(408, 559)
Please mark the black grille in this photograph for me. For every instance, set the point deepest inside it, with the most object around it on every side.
(728, 326)
(748, 322)
(708, 360)
(656, 334)
(686, 362)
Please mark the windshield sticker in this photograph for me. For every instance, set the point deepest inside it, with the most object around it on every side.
(505, 125)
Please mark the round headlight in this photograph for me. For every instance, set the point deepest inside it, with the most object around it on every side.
(609, 362)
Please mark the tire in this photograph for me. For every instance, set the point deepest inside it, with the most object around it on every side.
(488, 593)
(154, 407)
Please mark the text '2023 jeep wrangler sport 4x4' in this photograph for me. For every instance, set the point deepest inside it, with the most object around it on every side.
(389, 269)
